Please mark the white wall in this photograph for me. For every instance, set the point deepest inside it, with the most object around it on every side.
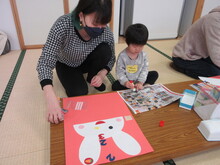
(162, 17)
(7, 21)
(189, 9)
(187, 16)
(72, 4)
(7, 24)
(37, 17)
(209, 5)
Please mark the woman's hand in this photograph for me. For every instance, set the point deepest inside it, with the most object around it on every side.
(97, 80)
(54, 112)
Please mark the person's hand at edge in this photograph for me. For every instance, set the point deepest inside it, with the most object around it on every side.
(54, 112)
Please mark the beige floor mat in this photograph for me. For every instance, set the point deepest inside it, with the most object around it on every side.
(24, 130)
(31, 158)
(210, 157)
(165, 46)
(7, 64)
(25, 133)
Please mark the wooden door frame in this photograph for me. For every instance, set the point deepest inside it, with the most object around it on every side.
(17, 23)
(198, 10)
(111, 24)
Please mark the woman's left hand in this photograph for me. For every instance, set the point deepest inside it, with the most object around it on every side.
(96, 81)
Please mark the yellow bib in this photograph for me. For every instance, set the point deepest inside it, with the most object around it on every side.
(132, 68)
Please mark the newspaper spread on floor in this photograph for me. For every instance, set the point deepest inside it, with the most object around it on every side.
(149, 98)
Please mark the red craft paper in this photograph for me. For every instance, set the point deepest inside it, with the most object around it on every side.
(106, 113)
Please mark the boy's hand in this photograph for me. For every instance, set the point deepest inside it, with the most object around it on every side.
(139, 86)
(129, 85)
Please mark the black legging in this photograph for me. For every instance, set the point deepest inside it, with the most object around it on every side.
(72, 78)
(151, 78)
(196, 68)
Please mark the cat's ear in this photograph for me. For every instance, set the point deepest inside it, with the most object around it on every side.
(90, 150)
(80, 129)
(127, 143)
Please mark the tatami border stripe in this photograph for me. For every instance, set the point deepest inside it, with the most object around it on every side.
(111, 78)
(9, 87)
(165, 55)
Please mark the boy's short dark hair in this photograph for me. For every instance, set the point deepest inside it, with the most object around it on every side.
(136, 34)
(103, 9)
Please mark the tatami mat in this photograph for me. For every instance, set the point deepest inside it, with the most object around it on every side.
(165, 46)
(32, 158)
(210, 157)
(25, 133)
(24, 130)
(7, 64)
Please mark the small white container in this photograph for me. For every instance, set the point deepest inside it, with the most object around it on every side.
(210, 129)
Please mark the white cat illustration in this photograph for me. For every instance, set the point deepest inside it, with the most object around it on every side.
(93, 132)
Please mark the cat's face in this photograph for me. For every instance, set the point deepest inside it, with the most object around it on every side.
(106, 127)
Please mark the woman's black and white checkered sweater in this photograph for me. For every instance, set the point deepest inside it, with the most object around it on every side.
(64, 45)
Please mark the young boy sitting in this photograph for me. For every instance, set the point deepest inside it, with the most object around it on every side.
(132, 64)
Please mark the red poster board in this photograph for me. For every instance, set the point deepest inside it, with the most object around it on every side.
(100, 129)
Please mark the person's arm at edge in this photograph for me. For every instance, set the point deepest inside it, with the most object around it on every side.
(56, 35)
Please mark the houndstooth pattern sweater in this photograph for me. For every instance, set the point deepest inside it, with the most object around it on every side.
(66, 46)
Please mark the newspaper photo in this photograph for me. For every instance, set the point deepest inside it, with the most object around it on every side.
(149, 98)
